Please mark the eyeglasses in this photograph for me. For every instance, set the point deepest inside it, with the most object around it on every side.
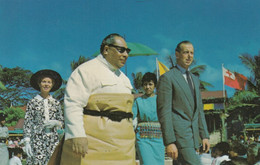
(120, 49)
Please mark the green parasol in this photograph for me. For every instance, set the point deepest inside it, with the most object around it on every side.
(137, 49)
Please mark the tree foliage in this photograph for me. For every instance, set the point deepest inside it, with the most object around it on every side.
(253, 64)
(243, 105)
(241, 97)
(81, 60)
(137, 80)
(13, 115)
(18, 90)
(2, 86)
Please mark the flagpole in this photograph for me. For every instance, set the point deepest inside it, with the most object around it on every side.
(157, 69)
(224, 95)
(223, 116)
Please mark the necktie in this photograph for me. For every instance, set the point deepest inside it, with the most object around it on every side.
(189, 82)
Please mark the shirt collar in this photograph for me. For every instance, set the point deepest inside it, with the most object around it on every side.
(39, 97)
(183, 70)
(111, 67)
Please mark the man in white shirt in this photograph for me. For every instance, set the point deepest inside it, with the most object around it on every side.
(98, 109)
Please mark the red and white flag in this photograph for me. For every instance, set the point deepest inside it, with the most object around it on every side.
(234, 79)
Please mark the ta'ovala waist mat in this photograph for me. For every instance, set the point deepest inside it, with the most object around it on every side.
(109, 142)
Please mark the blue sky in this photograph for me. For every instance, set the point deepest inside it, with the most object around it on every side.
(39, 34)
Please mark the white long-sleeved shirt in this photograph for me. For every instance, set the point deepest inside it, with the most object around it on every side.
(94, 76)
(15, 161)
(220, 159)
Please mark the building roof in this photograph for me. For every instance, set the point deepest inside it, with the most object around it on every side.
(23, 108)
(10, 128)
(19, 124)
(213, 94)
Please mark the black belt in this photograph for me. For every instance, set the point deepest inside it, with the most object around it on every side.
(112, 115)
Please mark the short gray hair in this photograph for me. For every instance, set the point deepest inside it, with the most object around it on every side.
(110, 39)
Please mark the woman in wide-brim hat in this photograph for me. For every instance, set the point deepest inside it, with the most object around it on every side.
(43, 118)
(4, 154)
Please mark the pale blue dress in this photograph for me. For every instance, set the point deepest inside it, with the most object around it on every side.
(149, 142)
(4, 155)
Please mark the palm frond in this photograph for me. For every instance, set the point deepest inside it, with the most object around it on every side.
(204, 85)
(248, 61)
(81, 60)
(198, 69)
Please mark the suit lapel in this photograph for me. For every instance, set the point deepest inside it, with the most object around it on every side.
(184, 86)
(196, 88)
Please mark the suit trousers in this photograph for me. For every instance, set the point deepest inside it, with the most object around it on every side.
(187, 156)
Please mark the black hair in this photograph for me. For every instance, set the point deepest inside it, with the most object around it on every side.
(223, 147)
(225, 162)
(148, 76)
(178, 47)
(18, 151)
(42, 77)
(110, 39)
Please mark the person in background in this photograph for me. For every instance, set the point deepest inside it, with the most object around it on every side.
(235, 162)
(205, 158)
(253, 154)
(98, 110)
(10, 141)
(234, 137)
(237, 154)
(4, 154)
(43, 118)
(149, 142)
(16, 159)
(221, 150)
(180, 109)
(237, 150)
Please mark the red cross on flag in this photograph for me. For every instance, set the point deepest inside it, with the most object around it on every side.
(234, 79)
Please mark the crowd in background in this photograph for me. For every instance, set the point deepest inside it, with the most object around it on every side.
(233, 152)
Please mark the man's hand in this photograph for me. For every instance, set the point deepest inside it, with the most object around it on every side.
(172, 151)
(205, 145)
(80, 145)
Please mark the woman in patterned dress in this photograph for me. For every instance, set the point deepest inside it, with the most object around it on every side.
(149, 142)
(43, 118)
(4, 155)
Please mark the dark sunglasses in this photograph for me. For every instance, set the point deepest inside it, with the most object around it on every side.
(120, 49)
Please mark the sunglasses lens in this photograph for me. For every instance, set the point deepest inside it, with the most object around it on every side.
(121, 49)
(128, 50)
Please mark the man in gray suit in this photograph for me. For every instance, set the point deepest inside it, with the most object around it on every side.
(180, 109)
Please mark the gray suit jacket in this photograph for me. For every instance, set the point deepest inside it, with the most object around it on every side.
(182, 120)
